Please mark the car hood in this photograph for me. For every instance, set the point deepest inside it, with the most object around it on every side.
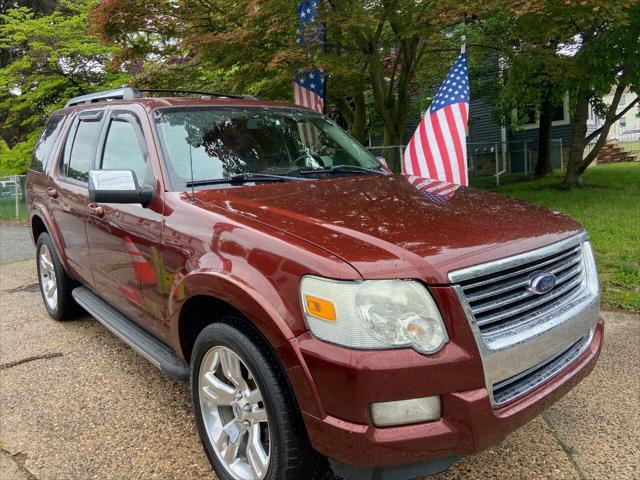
(397, 226)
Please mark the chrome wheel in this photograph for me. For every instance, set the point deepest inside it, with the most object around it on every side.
(48, 281)
(234, 414)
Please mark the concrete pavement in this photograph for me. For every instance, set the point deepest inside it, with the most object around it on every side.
(77, 403)
(15, 243)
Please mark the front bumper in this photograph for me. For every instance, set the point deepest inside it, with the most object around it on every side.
(469, 423)
(490, 380)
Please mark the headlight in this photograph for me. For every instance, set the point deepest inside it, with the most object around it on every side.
(373, 314)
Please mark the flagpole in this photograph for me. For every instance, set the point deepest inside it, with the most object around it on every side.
(463, 46)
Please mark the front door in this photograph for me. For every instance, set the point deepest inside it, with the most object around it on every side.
(69, 191)
(125, 240)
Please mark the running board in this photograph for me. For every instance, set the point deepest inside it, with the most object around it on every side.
(137, 338)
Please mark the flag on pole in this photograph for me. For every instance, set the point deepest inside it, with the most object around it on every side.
(309, 85)
(308, 89)
(438, 148)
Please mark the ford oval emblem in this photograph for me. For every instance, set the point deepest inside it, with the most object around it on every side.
(542, 283)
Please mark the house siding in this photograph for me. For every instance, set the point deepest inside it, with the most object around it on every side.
(559, 132)
(482, 126)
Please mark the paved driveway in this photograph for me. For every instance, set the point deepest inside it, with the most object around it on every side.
(77, 403)
(15, 243)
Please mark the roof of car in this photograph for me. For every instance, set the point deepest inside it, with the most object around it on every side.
(153, 103)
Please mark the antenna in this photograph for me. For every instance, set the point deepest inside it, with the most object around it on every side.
(193, 188)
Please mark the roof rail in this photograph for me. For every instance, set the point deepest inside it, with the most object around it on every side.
(125, 93)
(128, 93)
(196, 92)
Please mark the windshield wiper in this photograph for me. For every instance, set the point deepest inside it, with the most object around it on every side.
(341, 169)
(247, 177)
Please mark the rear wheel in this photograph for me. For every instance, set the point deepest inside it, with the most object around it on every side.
(55, 285)
(246, 417)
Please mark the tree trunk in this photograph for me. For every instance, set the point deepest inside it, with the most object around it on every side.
(353, 111)
(393, 137)
(573, 177)
(543, 164)
(359, 125)
(578, 163)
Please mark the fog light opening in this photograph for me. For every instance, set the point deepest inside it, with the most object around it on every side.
(405, 412)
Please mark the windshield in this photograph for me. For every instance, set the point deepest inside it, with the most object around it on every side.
(204, 143)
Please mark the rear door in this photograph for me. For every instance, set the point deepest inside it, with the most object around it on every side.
(125, 240)
(68, 194)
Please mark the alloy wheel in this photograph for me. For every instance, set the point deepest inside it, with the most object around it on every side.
(48, 281)
(234, 414)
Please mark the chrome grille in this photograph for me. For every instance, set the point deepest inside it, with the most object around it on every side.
(525, 338)
(518, 385)
(501, 300)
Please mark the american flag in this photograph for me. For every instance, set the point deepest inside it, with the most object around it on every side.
(308, 85)
(308, 89)
(438, 148)
(436, 191)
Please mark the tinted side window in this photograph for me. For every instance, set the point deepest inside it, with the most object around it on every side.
(122, 150)
(83, 150)
(45, 145)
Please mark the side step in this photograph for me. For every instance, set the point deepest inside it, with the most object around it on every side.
(137, 338)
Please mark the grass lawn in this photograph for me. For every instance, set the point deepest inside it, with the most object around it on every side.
(8, 209)
(609, 208)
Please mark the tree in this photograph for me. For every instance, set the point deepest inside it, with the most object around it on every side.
(525, 39)
(607, 57)
(550, 48)
(50, 59)
(376, 51)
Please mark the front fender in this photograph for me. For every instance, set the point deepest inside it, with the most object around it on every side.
(235, 292)
(264, 313)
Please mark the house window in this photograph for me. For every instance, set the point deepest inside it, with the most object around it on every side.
(623, 101)
(592, 118)
(529, 117)
(623, 122)
(558, 113)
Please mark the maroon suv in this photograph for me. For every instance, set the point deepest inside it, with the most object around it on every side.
(322, 307)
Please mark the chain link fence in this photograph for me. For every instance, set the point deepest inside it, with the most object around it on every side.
(13, 202)
(632, 147)
(629, 146)
(488, 158)
(391, 153)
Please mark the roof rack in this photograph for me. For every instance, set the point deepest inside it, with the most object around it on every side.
(128, 93)
(196, 92)
(115, 94)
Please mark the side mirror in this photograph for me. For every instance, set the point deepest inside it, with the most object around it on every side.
(117, 186)
(382, 161)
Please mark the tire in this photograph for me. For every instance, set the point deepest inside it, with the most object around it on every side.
(283, 437)
(60, 305)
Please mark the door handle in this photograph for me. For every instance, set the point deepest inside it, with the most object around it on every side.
(52, 192)
(96, 210)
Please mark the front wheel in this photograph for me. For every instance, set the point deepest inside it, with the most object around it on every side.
(245, 414)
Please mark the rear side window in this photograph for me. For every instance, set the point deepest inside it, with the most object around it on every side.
(47, 141)
(83, 150)
(122, 149)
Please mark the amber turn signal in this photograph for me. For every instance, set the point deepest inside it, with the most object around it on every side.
(320, 308)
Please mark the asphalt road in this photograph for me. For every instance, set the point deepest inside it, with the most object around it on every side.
(77, 403)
